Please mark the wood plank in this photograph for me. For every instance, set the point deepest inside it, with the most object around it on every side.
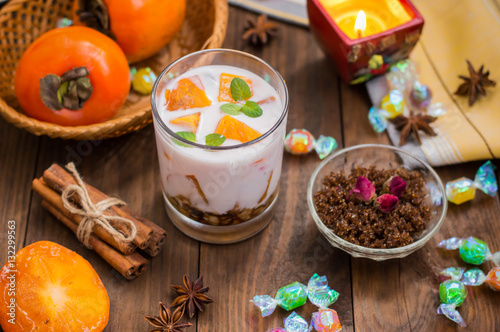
(290, 248)
(18, 151)
(401, 295)
(126, 167)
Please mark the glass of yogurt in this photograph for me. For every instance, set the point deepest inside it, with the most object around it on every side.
(220, 120)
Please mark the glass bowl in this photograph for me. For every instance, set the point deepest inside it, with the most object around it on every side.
(383, 157)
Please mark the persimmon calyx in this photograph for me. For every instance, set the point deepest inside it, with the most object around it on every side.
(95, 15)
(70, 91)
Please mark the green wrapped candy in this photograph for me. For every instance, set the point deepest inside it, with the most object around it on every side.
(452, 292)
(474, 251)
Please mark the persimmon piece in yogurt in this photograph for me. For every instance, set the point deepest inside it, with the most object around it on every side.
(225, 86)
(189, 122)
(189, 93)
(234, 129)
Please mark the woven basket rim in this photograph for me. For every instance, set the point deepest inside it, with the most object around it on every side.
(111, 127)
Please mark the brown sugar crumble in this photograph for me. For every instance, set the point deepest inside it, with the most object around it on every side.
(362, 224)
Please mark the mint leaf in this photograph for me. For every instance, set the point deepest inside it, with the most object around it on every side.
(186, 135)
(251, 109)
(214, 139)
(240, 89)
(231, 109)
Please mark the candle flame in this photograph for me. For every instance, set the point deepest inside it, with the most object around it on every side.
(360, 24)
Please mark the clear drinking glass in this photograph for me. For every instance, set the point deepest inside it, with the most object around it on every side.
(220, 194)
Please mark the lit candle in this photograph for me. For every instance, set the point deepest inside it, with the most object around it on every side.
(360, 25)
(377, 16)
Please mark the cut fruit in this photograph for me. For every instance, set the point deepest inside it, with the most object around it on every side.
(235, 129)
(189, 122)
(189, 93)
(225, 86)
(55, 290)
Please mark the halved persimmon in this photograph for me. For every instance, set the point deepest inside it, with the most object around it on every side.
(189, 93)
(235, 129)
(189, 122)
(225, 86)
(55, 289)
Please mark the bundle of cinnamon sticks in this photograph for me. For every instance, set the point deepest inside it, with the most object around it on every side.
(122, 256)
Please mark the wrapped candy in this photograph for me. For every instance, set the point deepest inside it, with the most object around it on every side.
(378, 119)
(326, 320)
(393, 104)
(452, 293)
(463, 189)
(293, 323)
(288, 297)
(143, 80)
(493, 279)
(420, 95)
(301, 141)
(472, 250)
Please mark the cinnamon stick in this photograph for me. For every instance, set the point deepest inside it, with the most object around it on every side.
(159, 234)
(55, 200)
(58, 178)
(130, 266)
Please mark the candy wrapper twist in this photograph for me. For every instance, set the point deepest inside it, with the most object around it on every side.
(463, 189)
(472, 250)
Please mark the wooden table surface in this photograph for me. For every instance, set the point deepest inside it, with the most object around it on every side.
(396, 295)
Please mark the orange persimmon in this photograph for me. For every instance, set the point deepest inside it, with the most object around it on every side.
(59, 52)
(141, 27)
(225, 86)
(54, 289)
(189, 122)
(235, 129)
(189, 93)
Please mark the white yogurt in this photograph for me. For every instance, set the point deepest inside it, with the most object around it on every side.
(229, 179)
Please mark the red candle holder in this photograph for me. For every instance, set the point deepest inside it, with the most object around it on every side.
(358, 60)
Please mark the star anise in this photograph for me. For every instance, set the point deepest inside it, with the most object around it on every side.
(192, 295)
(475, 84)
(259, 31)
(413, 124)
(168, 321)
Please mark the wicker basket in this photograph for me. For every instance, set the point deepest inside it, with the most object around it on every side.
(22, 21)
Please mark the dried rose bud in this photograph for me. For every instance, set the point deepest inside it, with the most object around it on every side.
(395, 185)
(386, 202)
(364, 190)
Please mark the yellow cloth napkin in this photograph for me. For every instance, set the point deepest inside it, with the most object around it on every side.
(455, 31)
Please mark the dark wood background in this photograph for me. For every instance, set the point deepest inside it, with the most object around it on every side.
(397, 295)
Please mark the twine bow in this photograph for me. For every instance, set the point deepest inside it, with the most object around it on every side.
(93, 213)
